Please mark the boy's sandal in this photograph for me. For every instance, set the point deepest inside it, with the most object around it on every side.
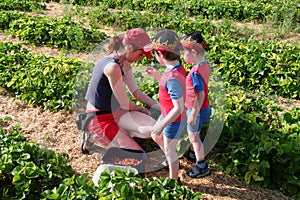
(198, 172)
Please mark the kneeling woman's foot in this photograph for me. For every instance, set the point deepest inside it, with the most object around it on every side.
(162, 165)
(198, 172)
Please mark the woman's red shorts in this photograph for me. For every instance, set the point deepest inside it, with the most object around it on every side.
(104, 127)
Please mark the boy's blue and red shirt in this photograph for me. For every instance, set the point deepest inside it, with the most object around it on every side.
(172, 87)
(203, 71)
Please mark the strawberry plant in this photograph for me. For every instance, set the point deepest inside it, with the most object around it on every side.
(257, 146)
(242, 10)
(256, 65)
(27, 5)
(60, 32)
(25, 169)
(38, 79)
(125, 185)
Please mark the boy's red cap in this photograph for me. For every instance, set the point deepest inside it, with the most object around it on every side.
(190, 43)
(139, 38)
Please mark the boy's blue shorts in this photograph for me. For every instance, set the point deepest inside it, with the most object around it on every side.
(174, 130)
(202, 117)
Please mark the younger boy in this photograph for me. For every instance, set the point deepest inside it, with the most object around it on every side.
(197, 104)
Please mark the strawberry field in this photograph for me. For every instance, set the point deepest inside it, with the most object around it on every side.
(254, 48)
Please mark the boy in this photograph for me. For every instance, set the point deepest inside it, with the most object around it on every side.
(197, 104)
(166, 132)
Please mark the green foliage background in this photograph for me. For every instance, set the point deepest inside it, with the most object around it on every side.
(260, 141)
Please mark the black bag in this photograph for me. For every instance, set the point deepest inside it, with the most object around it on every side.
(83, 120)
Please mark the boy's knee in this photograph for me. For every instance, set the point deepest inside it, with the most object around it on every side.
(194, 139)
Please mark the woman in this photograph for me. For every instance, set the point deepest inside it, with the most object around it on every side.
(116, 115)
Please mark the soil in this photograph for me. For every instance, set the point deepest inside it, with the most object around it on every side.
(57, 131)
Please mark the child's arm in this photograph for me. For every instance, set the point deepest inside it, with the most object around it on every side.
(198, 84)
(175, 90)
(152, 72)
(196, 108)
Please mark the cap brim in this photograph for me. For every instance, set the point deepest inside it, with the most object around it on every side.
(147, 54)
(148, 48)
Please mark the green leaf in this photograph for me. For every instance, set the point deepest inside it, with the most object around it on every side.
(125, 191)
(48, 194)
(18, 178)
(82, 179)
(265, 164)
(69, 181)
(256, 177)
(31, 170)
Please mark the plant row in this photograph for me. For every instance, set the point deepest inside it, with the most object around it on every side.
(256, 65)
(56, 32)
(23, 5)
(242, 10)
(273, 68)
(38, 79)
(31, 172)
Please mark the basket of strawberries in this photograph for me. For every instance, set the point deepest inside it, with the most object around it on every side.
(125, 157)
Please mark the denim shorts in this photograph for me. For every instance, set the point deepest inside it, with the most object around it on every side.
(202, 117)
(174, 129)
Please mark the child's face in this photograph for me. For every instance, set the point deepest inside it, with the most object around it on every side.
(188, 56)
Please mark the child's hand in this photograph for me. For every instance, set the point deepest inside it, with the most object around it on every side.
(151, 71)
(158, 127)
(191, 120)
